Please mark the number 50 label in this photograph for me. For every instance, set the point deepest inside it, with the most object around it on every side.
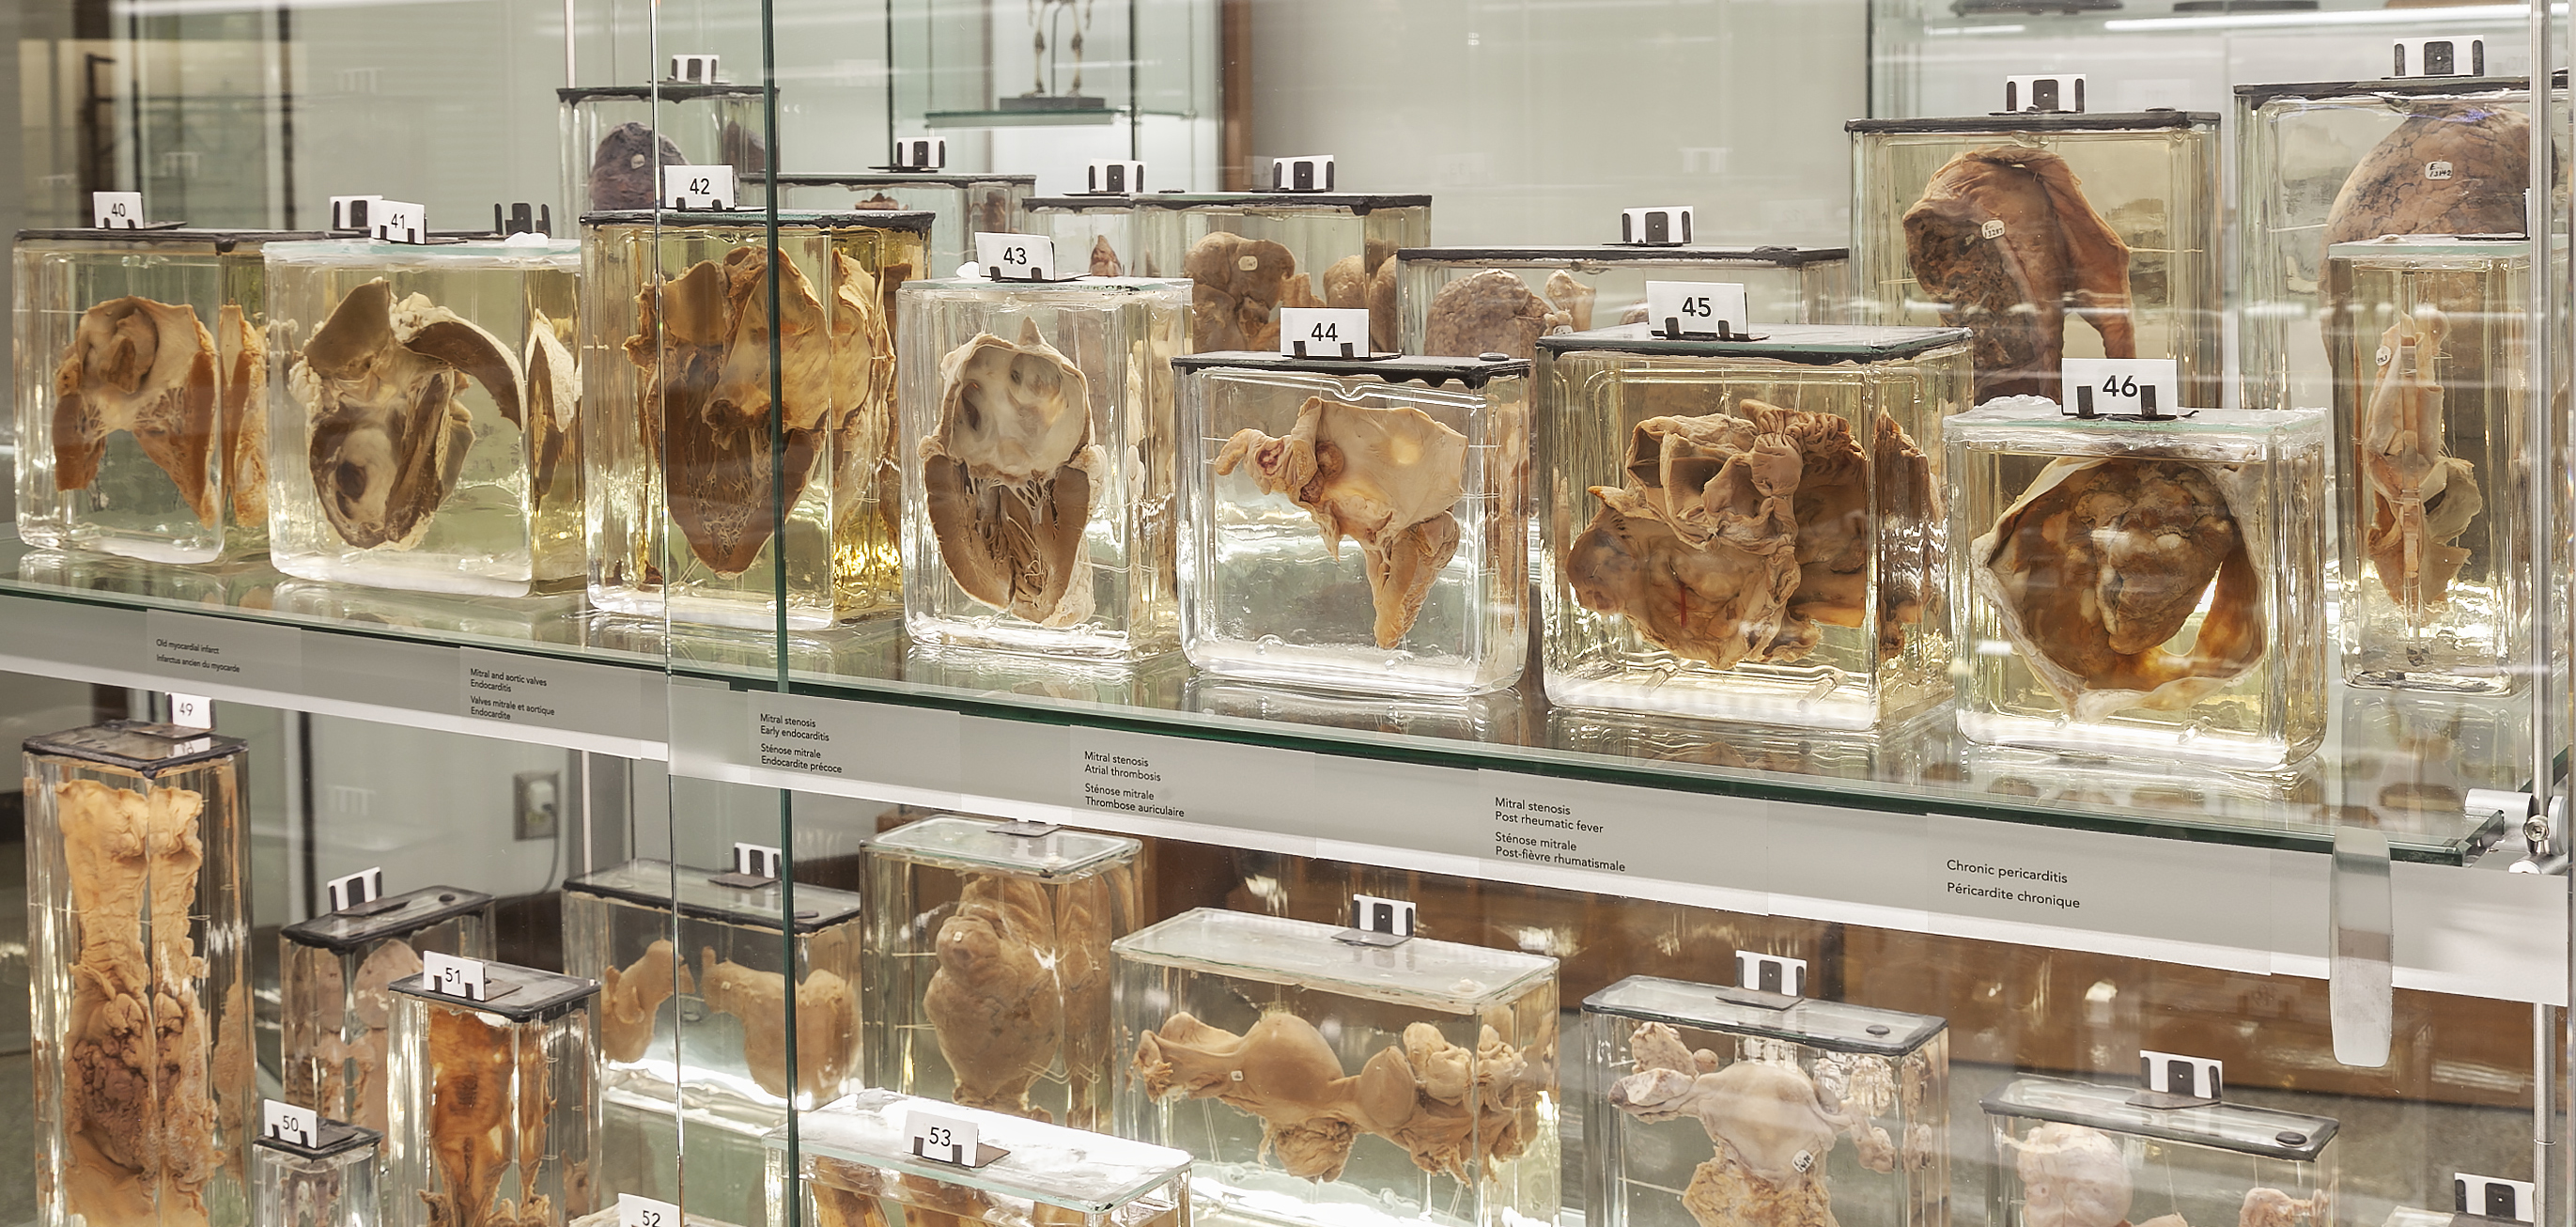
(1016, 257)
(2121, 386)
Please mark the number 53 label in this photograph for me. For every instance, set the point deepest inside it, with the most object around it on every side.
(2122, 386)
(1016, 257)
(1324, 332)
(1677, 309)
(948, 1139)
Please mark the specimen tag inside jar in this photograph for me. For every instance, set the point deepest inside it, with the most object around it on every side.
(2122, 387)
(697, 187)
(287, 1123)
(633, 1211)
(1324, 332)
(948, 1139)
(116, 210)
(192, 711)
(1016, 257)
(1710, 310)
(363, 887)
(451, 976)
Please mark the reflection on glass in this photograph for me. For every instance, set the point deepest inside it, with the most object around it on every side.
(335, 1010)
(2070, 1154)
(858, 1167)
(1474, 300)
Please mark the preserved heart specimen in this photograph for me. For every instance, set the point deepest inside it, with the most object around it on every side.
(2102, 561)
(2005, 240)
(1385, 476)
(147, 368)
(1104, 258)
(2484, 156)
(554, 398)
(1237, 283)
(630, 997)
(994, 1002)
(380, 382)
(827, 1024)
(1494, 312)
(1011, 473)
(2071, 1176)
(242, 365)
(2421, 500)
(1771, 1123)
(626, 169)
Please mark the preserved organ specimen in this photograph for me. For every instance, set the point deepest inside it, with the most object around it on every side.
(626, 170)
(994, 1002)
(630, 996)
(827, 1023)
(2485, 159)
(1011, 474)
(1238, 283)
(2005, 239)
(1494, 312)
(2421, 499)
(146, 368)
(1771, 1123)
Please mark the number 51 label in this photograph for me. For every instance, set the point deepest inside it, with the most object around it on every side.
(1016, 257)
(1324, 332)
(452, 976)
(1677, 309)
(2122, 386)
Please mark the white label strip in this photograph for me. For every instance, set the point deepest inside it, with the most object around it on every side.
(116, 210)
(2122, 385)
(192, 711)
(452, 976)
(948, 1139)
(288, 1123)
(1324, 332)
(1677, 309)
(254, 655)
(547, 692)
(697, 187)
(1016, 257)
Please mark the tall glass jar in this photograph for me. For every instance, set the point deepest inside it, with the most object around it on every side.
(495, 1104)
(335, 1012)
(330, 1183)
(1467, 301)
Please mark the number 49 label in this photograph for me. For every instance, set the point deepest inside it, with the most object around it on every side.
(944, 1138)
(633, 1211)
(1016, 257)
(452, 976)
(1324, 332)
(1677, 309)
(2122, 386)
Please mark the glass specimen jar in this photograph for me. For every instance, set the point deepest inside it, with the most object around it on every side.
(1404, 571)
(1437, 1099)
(2141, 587)
(2073, 1152)
(684, 521)
(1775, 1086)
(1247, 254)
(617, 139)
(1103, 234)
(331, 1183)
(2430, 345)
(423, 439)
(1655, 603)
(1476, 300)
(1037, 458)
(142, 411)
(335, 1012)
(2047, 236)
(136, 891)
(2328, 162)
(962, 204)
(495, 1103)
(988, 964)
(856, 1164)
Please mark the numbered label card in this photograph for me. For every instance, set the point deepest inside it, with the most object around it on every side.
(1324, 332)
(947, 1139)
(192, 711)
(697, 187)
(451, 976)
(398, 221)
(364, 886)
(1711, 309)
(1016, 257)
(116, 210)
(2105, 387)
(287, 1123)
(633, 1211)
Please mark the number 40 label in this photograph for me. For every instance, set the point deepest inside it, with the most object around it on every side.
(633, 1211)
(1324, 332)
(1016, 257)
(2122, 386)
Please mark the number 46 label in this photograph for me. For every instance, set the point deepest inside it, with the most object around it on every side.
(1324, 332)
(1016, 257)
(2122, 386)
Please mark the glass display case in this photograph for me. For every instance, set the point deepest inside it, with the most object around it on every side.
(424, 435)
(677, 442)
(1719, 540)
(2330, 162)
(1248, 254)
(1775, 1086)
(1422, 464)
(617, 139)
(2151, 588)
(335, 1014)
(1103, 235)
(2020, 227)
(495, 1106)
(855, 1163)
(988, 964)
(1037, 449)
(137, 892)
(1316, 1080)
(961, 204)
(330, 1183)
(142, 408)
(2077, 1153)
(2430, 345)
(1475, 300)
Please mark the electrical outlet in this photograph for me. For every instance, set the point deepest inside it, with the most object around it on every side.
(538, 804)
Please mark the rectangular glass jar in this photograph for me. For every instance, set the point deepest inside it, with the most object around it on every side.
(617, 139)
(855, 1165)
(493, 1101)
(137, 891)
(1580, 288)
(2320, 163)
(1288, 579)
(683, 522)
(1034, 523)
(2238, 679)
(1648, 608)
(2098, 1148)
(87, 478)
(962, 204)
(2431, 349)
(1678, 1065)
(1216, 998)
(334, 1012)
(1103, 235)
(987, 966)
(1247, 254)
(331, 1183)
(2135, 248)
(482, 498)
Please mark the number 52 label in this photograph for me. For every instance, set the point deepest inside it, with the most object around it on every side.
(633, 1211)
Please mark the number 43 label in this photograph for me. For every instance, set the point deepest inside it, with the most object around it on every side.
(1324, 332)
(1016, 257)
(1677, 309)
(2122, 386)
(633, 1211)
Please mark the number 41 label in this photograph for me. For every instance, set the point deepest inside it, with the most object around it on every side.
(2122, 386)
(633, 1211)
(1324, 332)
(1677, 309)
(1016, 257)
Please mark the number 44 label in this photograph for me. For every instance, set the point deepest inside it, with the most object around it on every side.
(633, 1211)
(2107, 387)
(1016, 257)
(1677, 309)
(1324, 332)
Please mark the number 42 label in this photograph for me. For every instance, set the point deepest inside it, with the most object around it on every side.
(1016, 257)
(2122, 386)
(1324, 332)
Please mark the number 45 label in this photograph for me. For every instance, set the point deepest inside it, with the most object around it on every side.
(2107, 387)
(1677, 309)
(1016, 257)
(1324, 332)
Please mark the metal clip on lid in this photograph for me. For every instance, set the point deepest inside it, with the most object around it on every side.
(2044, 94)
(523, 218)
(2178, 1081)
(1378, 921)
